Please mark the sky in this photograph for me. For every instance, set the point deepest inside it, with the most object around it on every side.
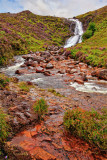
(59, 8)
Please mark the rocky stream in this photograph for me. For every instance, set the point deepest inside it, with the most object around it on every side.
(79, 84)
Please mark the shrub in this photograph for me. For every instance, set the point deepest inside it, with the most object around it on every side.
(3, 81)
(90, 31)
(92, 27)
(3, 126)
(89, 125)
(40, 107)
(87, 34)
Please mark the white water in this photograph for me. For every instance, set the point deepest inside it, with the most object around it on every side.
(98, 86)
(77, 38)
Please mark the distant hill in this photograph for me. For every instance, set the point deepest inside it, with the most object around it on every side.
(25, 31)
(94, 49)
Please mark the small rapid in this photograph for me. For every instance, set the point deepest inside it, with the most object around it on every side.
(77, 38)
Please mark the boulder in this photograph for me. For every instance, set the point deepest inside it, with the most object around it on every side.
(39, 69)
(79, 80)
(47, 73)
(49, 66)
(22, 71)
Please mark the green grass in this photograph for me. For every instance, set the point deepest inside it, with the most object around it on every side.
(89, 125)
(41, 108)
(4, 127)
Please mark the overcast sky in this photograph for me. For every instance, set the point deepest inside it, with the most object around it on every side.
(60, 8)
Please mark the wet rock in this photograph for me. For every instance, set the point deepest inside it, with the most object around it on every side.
(82, 65)
(21, 71)
(101, 74)
(38, 59)
(83, 76)
(47, 73)
(23, 65)
(41, 154)
(62, 71)
(73, 71)
(34, 64)
(16, 153)
(39, 69)
(29, 83)
(78, 80)
(49, 66)
(28, 63)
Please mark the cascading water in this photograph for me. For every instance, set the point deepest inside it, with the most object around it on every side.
(77, 38)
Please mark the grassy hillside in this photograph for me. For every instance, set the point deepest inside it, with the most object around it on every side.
(94, 49)
(25, 31)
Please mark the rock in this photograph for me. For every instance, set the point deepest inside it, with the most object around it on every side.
(38, 59)
(101, 74)
(62, 71)
(16, 153)
(39, 69)
(23, 71)
(79, 81)
(83, 76)
(47, 73)
(29, 83)
(74, 71)
(49, 66)
(23, 65)
(82, 64)
(41, 154)
(34, 64)
(28, 63)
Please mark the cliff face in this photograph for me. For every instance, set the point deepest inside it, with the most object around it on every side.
(25, 31)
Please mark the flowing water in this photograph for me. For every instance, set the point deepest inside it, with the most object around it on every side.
(77, 38)
(57, 81)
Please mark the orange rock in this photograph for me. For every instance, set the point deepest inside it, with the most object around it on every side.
(41, 154)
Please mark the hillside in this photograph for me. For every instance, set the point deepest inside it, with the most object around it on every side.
(93, 50)
(25, 31)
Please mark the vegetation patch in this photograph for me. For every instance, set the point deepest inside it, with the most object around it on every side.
(89, 125)
(41, 108)
(4, 80)
(4, 127)
(25, 31)
(55, 93)
(24, 86)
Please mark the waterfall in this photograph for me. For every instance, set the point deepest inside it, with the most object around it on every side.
(77, 38)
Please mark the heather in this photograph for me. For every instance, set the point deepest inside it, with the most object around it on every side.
(25, 31)
(89, 125)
